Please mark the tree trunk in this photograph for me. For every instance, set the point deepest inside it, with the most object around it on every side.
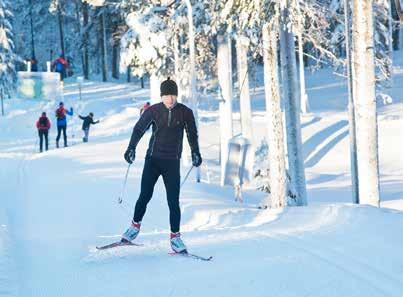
(275, 129)
(32, 30)
(154, 89)
(103, 46)
(351, 111)
(390, 42)
(128, 78)
(304, 95)
(177, 66)
(115, 59)
(2, 102)
(395, 26)
(61, 26)
(242, 45)
(364, 100)
(292, 104)
(225, 108)
(79, 30)
(85, 41)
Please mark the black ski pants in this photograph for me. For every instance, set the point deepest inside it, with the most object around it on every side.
(170, 171)
(61, 129)
(43, 134)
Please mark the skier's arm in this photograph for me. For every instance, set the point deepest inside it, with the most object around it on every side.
(49, 124)
(81, 117)
(140, 128)
(191, 131)
(70, 112)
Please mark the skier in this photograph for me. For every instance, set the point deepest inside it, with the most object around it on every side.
(60, 65)
(168, 120)
(34, 65)
(88, 120)
(144, 108)
(43, 126)
(62, 123)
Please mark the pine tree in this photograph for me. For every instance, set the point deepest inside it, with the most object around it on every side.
(7, 55)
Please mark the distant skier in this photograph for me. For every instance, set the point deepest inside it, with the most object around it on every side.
(43, 125)
(88, 121)
(34, 65)
(60, 65)
(168, 120)
(61, 113)
(144, 108)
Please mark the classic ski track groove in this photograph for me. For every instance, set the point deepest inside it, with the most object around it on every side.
(341, 264)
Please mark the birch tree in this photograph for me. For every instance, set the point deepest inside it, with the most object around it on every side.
(277, 172)
(225, 107)
(242, 45)
(351, 110)
(292, 103)
(364, 100)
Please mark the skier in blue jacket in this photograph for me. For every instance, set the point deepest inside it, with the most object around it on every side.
(61, 113)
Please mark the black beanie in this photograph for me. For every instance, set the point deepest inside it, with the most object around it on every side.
(169, 87)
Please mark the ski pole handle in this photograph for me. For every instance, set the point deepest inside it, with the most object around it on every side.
(120, 198)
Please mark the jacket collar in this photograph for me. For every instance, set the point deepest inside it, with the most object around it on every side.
(176, 104)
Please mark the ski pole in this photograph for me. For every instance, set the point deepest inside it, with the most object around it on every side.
(120, 199)
(186, 176)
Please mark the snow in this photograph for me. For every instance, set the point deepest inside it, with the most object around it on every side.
(55, 207)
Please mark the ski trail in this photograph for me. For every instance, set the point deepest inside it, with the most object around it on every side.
(359, 271)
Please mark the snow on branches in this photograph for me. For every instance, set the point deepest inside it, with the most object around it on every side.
(144, 46)
(7, 56)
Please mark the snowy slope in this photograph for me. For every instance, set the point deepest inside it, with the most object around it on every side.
(57, 206)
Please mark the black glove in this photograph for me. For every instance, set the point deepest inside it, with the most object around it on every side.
(130, 155)
(196, 159)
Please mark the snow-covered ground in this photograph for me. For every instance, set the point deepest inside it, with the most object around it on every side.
(55, 207)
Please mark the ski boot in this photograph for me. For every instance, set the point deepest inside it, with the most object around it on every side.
(131, 233)
(177, 244)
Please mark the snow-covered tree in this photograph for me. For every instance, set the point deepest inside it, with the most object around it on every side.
(145, 47)
(7, 55)
(383, 41)
(277, 172)
(351, 110)
(225, 108)
(292, 103)
(364, 99)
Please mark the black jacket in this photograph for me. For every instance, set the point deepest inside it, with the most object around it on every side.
(87, 122)
(167, 126)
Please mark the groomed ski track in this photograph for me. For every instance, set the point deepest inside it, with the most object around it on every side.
(59, 205)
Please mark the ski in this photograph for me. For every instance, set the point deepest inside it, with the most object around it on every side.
(192, 256)
(118, 244)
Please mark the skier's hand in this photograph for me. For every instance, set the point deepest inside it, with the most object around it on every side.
(196, 159)
(130, 155)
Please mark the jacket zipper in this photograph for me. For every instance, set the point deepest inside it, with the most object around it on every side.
(169, 118)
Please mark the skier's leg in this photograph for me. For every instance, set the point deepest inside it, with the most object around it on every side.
(64, 135)
(59, 131)
(171, 177)
(86, 132)
(150, 175)
(46, 133)
(40, 140)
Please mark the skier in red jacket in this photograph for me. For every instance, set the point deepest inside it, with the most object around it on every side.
(43, 125)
